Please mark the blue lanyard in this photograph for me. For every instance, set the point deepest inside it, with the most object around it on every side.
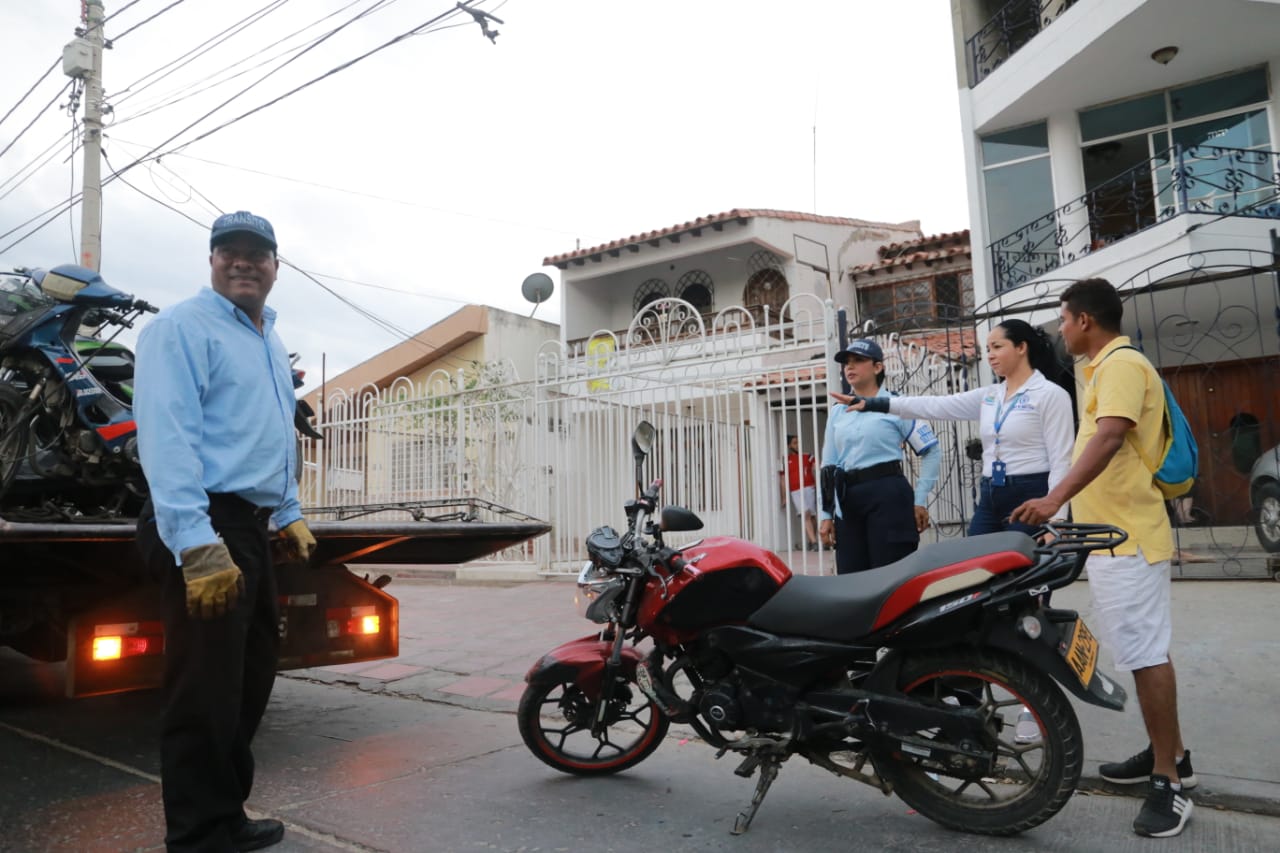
(1002, 415)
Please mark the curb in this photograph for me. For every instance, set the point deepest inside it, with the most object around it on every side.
(1201, 795)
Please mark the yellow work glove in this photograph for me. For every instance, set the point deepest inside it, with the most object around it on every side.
(301, 542)
(214, 581)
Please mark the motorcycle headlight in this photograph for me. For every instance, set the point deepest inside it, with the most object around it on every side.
(598, 590)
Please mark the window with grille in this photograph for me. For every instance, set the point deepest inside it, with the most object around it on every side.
(936, 298)
(649, 291)
(696, 288)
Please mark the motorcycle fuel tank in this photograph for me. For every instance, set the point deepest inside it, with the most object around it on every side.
(720, 580)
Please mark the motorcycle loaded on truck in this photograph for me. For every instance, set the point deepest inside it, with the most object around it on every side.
(73, 586)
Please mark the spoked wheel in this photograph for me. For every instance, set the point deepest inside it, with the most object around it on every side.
(555, 722)
(13, 435)
(1030, 723)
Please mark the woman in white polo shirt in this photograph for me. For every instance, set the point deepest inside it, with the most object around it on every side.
(1024, 420)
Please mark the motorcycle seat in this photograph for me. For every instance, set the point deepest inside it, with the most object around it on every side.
(846, 608)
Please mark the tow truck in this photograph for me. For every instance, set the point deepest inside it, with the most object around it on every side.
(80, 592)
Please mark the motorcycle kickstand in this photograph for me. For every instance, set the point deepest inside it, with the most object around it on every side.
(768, 772)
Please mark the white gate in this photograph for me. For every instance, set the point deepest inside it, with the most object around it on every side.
(724, 391)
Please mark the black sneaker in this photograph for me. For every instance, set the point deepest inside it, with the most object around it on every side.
(1165, 811)
(1138, 768)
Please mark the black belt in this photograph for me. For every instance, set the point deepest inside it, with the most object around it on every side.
(236, 504)
(1015, 479)
(872, 472)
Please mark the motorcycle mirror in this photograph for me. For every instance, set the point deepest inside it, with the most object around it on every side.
(677, 518)
(642, 440)
(641, 444)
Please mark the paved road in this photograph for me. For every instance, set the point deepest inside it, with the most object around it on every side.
(422, 753)
(470, 645)
(350, 770)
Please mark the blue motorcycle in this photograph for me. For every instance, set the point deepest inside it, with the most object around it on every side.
(68, 441)
(66, 422)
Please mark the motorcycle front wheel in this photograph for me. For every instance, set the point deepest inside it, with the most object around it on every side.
(1031, 724)
(13, 434)
(556, 718)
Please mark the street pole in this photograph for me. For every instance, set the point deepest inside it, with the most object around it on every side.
(91, 196)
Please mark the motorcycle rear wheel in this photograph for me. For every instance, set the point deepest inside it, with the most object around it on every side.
(1040, 759)
(555, 723)
(13, 436)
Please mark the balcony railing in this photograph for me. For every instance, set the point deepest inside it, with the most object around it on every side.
(1190, 179)
(1013, 26)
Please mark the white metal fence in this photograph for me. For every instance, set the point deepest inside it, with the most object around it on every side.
(723, 391)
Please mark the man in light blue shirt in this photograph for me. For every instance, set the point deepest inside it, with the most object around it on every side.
(214, 406)
(877, 517)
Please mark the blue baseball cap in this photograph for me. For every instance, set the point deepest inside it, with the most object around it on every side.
(241, 222)
(861, 348)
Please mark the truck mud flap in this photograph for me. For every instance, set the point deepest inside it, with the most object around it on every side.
(330, 616)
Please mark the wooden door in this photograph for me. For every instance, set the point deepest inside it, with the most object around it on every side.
(1215, 397)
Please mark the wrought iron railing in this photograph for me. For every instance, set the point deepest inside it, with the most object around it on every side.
(1013, 26)
(1190, 179)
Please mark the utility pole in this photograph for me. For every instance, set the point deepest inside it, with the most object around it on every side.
(82, 58)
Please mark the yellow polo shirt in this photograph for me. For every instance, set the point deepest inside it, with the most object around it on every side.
(1125, 385)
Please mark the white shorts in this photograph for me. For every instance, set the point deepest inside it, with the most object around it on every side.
(1131, 606)
(805, 500)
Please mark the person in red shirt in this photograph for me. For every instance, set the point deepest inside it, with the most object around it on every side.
(802, 487)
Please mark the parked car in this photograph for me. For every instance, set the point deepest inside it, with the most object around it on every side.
(1264, 496)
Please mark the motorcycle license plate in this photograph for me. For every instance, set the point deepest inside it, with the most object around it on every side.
(1081, 652)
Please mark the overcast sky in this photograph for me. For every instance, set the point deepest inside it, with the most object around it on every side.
(447, 166)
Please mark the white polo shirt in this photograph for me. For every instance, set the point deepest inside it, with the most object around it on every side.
(1036, 433)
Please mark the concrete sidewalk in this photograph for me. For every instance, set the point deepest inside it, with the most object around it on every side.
(470, 644)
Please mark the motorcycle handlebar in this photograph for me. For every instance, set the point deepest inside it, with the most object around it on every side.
(145, 306)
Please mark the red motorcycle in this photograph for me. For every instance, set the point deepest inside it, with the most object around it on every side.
(938, 678)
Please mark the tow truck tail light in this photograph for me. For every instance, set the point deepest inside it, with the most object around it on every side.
(347, 621)
(126, 640)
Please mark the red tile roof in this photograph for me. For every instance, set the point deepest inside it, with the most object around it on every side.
(713, 220)
(933, 241)
(953, 343)
(925, 250)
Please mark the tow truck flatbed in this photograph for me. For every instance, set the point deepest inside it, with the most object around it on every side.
(79, 591)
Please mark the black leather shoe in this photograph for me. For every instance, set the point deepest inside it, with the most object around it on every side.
(256, 834)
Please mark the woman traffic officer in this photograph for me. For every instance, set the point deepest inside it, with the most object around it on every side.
(876, 516)
(1024, 420)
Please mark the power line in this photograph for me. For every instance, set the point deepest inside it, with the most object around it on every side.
(252, 85)
(32, 89)
(407, 34)
(433, 296)
(420, 29)
(361, 194)
(36, 118)
(385, 325)
(146, 20)
(199, 50)
(48, 154)
(183, 93)
(125, 8)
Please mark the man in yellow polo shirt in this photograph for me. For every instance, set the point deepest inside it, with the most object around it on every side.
(1123, 406)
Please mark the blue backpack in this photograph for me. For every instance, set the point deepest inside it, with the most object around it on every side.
(1175, 471)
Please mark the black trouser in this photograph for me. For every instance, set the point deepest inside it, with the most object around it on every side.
(217, 680)
(876, 525)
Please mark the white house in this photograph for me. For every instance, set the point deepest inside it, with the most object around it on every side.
(1136, 140)
(757, 259)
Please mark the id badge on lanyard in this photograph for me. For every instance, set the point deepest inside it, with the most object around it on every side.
(997, 464)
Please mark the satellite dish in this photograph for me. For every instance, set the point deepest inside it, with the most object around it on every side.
(537, 288)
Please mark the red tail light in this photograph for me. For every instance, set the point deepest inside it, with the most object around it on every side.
(360, 621)
(127, 639)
